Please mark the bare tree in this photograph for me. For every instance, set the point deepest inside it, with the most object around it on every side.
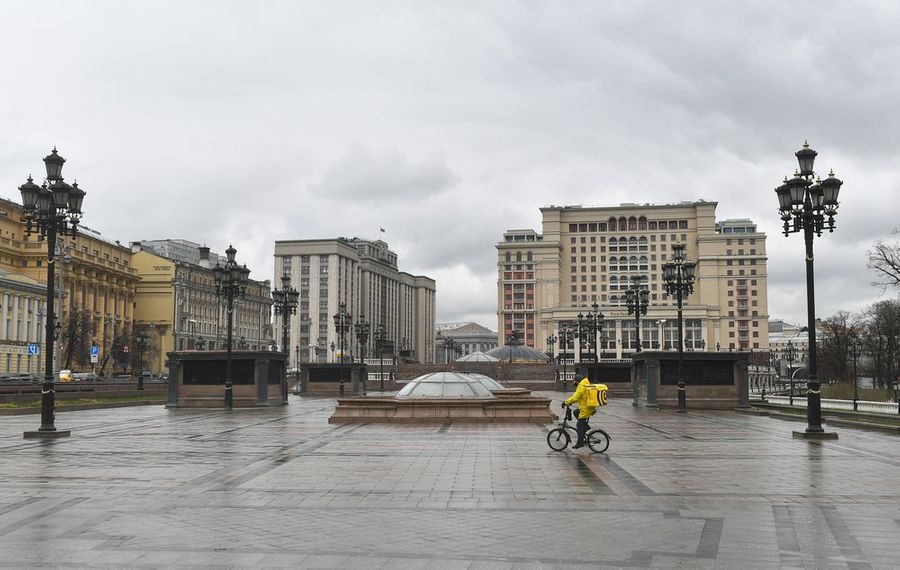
(884, 260)
(834, 352)
(77, 336)
(882, 340)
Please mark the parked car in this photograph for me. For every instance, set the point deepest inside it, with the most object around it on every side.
(84, 376)
(65, 375)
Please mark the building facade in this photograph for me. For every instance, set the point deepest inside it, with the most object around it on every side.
(22, 321)
(588, 255)
(467, 338)
(95, 284)
(364, 276)
(176, 303)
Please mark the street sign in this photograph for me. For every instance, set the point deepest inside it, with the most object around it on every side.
(94, 358)
(95, 350)
(34, 348)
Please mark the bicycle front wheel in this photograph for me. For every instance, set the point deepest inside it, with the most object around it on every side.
(558, 439)
(598, 440)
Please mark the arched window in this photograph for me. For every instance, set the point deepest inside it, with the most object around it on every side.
(623, 224)
(632, 224)
(612, 224)
(633, 263)
(642, 223)
(643, 263)
(518, 256)
(623, 260)
(528, 256)
(508, 257)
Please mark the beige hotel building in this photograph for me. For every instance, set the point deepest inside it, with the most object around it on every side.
(587, 255)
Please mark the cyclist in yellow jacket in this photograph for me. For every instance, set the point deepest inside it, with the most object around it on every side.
(586, 408)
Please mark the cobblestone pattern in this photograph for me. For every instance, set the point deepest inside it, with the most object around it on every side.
(279, 487)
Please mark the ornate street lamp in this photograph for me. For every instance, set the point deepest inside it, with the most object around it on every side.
(285, 303)
(231, 282)
(637, 298)
(855, 349)
(551, 342)
(51, 209)
(141, 340)
(566, 333)
(790, 353)
(342, 323)
(380, 337)
(450, 348)
(809, 207)
(678, 275)
(362, 338)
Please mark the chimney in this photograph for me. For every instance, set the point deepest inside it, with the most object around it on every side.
(204, 256)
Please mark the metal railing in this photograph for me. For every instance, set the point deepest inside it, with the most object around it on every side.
(861, 405)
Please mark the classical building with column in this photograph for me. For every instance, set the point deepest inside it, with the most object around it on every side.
(364, 276)
(588, 255)
(176, 303)
(22, 322)
(95, 286)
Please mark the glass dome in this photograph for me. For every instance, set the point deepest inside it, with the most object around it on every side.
(518, 353)
(486, 381)
(447, 385)
(476, 357)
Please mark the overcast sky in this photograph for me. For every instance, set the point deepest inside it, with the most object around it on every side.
(446, 123)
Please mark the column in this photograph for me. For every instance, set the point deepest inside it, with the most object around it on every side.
(15, 318)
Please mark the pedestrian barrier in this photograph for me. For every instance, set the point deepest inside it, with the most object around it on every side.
(862, 406)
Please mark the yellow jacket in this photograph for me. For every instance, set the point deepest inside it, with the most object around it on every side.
(585, 408)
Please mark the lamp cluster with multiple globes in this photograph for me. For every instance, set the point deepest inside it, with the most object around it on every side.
(231, 278)
(803, 203)
(53, 202)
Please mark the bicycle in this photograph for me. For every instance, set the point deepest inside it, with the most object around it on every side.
(559, 437)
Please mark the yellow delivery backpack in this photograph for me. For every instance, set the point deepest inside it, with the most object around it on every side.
(596, 394)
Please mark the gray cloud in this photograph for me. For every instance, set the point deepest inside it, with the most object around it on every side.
(447, 124)
(384, 177)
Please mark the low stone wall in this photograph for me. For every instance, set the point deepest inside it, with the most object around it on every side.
(505, 409)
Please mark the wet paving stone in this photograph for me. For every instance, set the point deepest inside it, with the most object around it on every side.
(281, 488)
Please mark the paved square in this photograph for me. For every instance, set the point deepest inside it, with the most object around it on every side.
(279, 487)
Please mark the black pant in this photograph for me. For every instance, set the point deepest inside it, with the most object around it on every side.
(581, 428)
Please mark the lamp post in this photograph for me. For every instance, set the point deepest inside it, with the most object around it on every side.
(809, 207)
(790, 353)
(637, 299)
(362, 338)
(565, 337)
(551, 342)
(855, 350)
(581, 328)
(678, 275)
(231, 283)
(450, 347)
(380, 337)
(51, 209)
(285, 304)
(141, 340)
(342, 322)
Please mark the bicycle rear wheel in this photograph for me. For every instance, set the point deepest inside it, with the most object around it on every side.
(598, 440)
(558, 439)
